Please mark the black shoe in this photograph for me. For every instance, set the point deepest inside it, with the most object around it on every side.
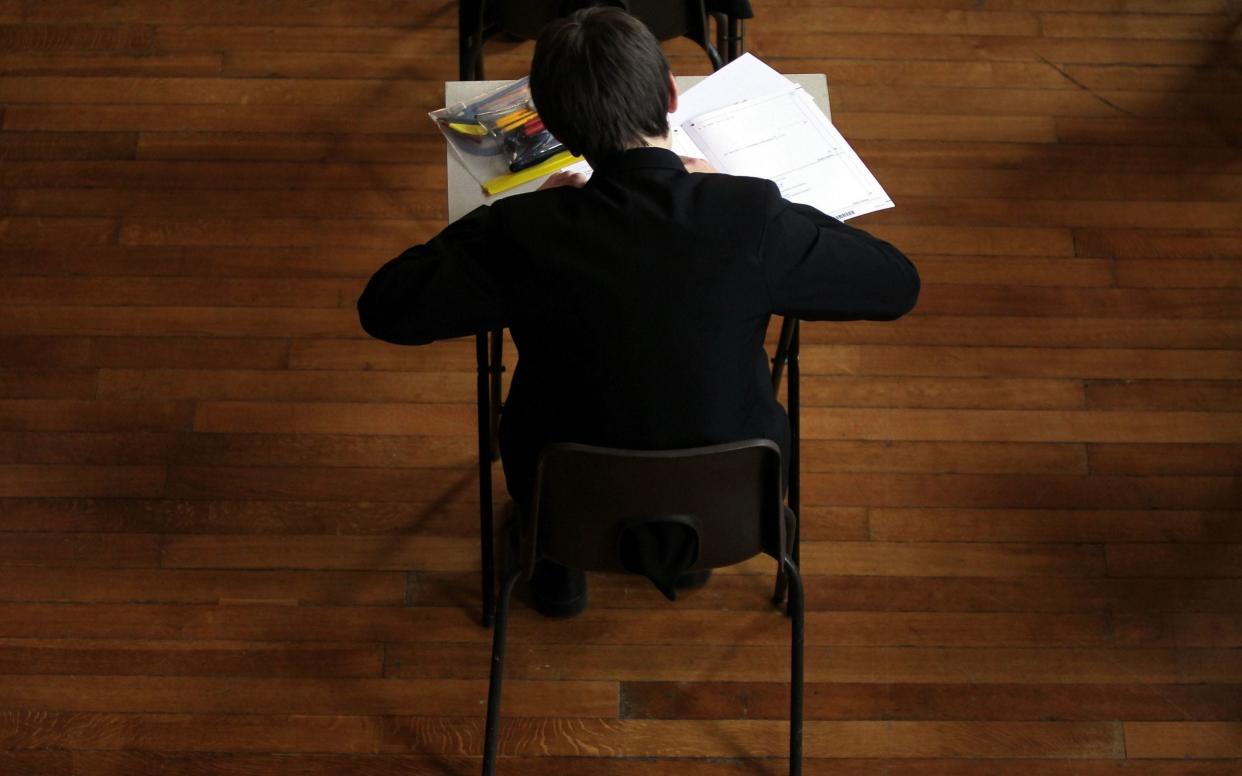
(693, 580)
(557, 591)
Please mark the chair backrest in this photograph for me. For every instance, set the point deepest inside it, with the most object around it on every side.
(667, 19)
(586, 496)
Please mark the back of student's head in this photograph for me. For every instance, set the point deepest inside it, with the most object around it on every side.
(600, 82)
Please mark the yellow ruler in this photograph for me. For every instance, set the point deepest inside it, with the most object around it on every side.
(509, 180)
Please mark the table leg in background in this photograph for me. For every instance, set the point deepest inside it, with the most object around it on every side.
(486, 443)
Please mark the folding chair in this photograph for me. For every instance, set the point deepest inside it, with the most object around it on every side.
(724, 499)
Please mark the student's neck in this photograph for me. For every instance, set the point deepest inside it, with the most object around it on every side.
(662, 141)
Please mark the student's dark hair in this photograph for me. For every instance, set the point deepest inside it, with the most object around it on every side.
(600, 82)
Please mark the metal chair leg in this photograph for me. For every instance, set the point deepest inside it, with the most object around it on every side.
(713, 56)
(796, 555)
(796, 658)
(735, 46)
(719, 21)
(468, 25)
(490, 738)
(791, 537)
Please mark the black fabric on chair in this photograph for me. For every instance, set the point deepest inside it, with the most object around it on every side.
(661, 513)
(480, 20)
(660, 550)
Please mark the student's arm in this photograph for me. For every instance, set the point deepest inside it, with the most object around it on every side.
(445, 288)
(817, 268)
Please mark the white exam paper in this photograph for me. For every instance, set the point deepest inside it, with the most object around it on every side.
(786, 138)
(743, 78)
(748, 119)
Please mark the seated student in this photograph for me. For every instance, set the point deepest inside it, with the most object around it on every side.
(638, 300)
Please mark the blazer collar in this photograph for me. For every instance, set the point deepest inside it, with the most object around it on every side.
(639, 159)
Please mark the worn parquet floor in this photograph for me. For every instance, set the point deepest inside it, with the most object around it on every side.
(238, 538)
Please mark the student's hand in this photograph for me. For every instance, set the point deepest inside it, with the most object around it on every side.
(694, 164)
(564, 178)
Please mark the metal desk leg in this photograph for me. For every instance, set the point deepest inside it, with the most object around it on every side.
(486, 533)
(788, 327)
(497, 369)
(470, 67)
(787, 355)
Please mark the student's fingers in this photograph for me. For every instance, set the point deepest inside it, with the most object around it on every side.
(694, 164)
(564, 178)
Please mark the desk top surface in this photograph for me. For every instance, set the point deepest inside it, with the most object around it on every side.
(464, 192)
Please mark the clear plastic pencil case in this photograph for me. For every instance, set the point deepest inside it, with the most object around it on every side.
(498, 132)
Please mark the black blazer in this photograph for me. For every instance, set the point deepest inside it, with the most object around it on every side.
(638, 303)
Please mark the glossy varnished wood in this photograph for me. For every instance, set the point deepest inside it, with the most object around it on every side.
(238, 538)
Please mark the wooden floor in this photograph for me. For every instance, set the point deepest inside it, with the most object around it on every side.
(241, 538)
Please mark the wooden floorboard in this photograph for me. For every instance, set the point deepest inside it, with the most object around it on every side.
(237, 537)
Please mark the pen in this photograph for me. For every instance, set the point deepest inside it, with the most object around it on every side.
(531, 159)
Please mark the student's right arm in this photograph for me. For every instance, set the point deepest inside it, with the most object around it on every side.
(445, 288)
(817, 268)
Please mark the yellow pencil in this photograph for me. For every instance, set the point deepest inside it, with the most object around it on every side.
(509, 180)
(515, 118)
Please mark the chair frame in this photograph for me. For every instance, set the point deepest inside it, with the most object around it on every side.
(475, 27)
(789, 587)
